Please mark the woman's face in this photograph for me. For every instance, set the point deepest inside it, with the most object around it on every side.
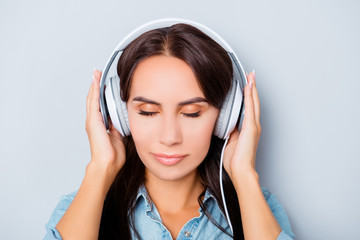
(169, 115)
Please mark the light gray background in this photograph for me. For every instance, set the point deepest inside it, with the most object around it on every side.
(306, 58)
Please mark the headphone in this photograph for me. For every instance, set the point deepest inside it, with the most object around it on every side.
(112, 106)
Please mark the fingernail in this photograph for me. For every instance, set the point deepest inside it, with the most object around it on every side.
(253, 73)
(251, 84)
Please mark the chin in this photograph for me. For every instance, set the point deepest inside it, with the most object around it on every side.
(170, 174)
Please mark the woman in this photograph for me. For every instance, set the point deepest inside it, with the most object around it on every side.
(162, 180)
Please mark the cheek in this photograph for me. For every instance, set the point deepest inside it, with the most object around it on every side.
(202, 127)
(198, 134)
(198, 130)
(140, 131)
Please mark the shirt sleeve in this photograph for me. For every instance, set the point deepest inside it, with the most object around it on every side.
(280, 215)
(60, 209)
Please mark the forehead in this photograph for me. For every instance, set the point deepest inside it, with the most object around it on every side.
(163, 77)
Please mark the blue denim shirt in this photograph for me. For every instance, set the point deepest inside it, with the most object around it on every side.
(149, 224)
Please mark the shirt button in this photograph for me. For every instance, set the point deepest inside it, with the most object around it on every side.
(187, 234)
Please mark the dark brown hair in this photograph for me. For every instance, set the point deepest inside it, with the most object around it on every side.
(213, 70)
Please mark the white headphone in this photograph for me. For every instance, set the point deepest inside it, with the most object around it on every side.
(231, 110)
(111, 103)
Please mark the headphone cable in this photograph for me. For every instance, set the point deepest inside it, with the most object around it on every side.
(221, 185)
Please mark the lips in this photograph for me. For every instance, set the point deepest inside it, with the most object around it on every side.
(168, 159)
(169, 156)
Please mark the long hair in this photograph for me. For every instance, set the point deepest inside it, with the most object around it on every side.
(213, 70)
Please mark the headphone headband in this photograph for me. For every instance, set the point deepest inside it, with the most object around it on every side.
(167, 22)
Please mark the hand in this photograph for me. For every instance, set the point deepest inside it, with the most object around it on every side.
(240, 152)
(107, 149)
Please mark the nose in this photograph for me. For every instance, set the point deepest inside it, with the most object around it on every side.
(170, 133)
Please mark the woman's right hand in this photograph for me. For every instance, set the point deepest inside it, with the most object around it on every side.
(107, 149)
(82, 218)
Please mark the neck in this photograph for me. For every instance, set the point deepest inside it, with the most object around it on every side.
(174, 195)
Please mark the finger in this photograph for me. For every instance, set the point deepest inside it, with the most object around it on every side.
(89, 96)
(234, 135)
(95, 93)
(249, 118)
(256, 101)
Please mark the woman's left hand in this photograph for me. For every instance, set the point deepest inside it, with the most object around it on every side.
(240, 152)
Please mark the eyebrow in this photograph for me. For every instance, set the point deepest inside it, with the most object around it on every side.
(192, 100)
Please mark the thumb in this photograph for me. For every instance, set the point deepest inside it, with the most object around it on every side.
(234, 136)
(113, 131)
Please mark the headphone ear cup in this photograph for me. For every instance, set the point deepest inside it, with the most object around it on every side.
(220, 126)
(229, 112)
(116, 107)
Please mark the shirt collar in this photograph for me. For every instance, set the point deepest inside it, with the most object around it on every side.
(142, 192)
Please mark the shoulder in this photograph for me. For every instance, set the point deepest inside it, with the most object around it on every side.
(279, 212)
(58, 212)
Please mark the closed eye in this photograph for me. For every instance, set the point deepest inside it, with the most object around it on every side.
(147, 113)
(151, 114)
(192, 115)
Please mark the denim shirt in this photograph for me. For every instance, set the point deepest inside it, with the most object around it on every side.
(149, 224)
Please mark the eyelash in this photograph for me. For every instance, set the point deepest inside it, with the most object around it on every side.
(151, 114)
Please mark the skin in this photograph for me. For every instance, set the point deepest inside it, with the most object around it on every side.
(173, 189)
